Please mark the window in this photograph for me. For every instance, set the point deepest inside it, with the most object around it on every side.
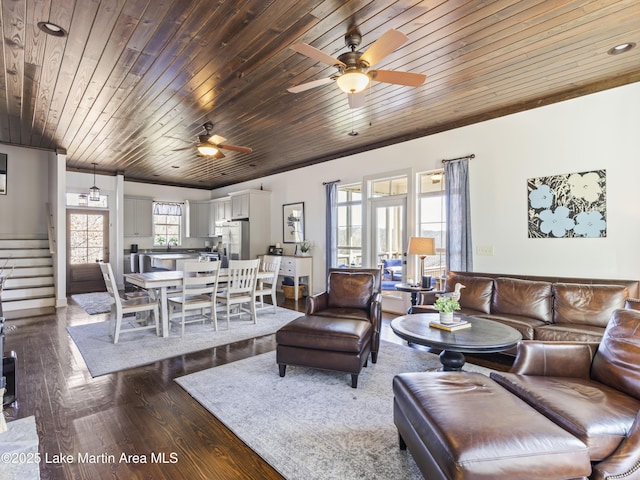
(433, 222)
(389, 187)
(82, 200)
(388, 202)
(167, 224)
(350, 225)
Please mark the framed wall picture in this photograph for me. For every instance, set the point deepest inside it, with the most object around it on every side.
(293, 222)
(568, 206)
(3, 173)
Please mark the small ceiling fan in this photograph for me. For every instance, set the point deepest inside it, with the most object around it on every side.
(353, 67)
(210, 145)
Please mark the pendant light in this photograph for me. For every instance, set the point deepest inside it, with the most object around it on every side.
(94, 192)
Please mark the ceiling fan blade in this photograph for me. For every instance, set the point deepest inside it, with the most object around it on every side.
(387, 43)
(182, 149)
(309, 85)
(216, 139)
(357, 100)
(315, 54)
(399, 78)
(235, 148)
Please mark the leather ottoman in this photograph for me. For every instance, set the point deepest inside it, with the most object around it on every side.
(340, 344)
(465, 426)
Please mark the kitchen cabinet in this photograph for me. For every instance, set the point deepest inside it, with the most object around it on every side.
(138, 217)
(240, 206)
(222, 209)
(249, 204)
(199, 218)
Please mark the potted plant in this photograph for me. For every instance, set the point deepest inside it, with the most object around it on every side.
(305, 247)
(446, 306)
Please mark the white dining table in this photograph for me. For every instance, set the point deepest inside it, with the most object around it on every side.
(157, 283)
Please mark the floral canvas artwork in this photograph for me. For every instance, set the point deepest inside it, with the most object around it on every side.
(571, 205)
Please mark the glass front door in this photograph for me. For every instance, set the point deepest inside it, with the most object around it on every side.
(87, 245)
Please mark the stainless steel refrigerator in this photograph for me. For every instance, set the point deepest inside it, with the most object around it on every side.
(235, 239)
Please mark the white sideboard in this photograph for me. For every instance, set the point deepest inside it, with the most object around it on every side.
(297, 267)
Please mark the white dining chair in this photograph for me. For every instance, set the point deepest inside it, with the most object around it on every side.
(199, 288)
(240, 288)
(120, 308)
(267, 286)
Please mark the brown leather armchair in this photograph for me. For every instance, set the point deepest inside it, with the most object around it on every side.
(350, 295)
(590, 390)
(341, 326)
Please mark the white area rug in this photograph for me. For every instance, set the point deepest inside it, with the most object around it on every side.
(311, 424)
(144, 347)
(19, 450)
(93, 303)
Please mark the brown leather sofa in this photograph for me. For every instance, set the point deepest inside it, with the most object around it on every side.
(590, 390)
(541, 308)
(565, 410)
(340, 328)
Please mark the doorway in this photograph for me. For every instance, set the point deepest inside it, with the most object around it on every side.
(87, 246)
(389, 220)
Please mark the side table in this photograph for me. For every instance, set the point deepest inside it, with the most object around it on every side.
(414, 290)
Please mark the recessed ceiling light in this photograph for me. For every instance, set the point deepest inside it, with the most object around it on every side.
(52, 29)
(622, 48)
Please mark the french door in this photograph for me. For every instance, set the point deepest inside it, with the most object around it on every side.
(389, 226)
(87, 245)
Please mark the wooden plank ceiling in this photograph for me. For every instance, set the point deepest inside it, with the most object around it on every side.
(134, 80)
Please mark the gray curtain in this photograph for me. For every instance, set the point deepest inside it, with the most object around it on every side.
(459, 248)
(331, 239)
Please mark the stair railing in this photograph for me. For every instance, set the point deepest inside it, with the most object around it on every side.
(51, 229)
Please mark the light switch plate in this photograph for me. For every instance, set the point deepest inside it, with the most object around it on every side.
(484, 250)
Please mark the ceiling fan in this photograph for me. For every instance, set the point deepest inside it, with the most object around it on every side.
(210, 145)
(353, 67)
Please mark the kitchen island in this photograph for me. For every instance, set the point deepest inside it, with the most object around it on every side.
(168, 260)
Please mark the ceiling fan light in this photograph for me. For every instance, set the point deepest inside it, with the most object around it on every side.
(352, 81)
(208, 150)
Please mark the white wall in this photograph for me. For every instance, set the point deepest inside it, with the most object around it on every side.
(592, 132)
(23, 208)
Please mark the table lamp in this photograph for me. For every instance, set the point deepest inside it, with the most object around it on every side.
(422, 247)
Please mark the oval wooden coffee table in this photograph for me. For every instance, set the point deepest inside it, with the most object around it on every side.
(484, 336)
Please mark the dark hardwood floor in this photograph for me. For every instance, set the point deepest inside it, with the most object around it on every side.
(140, 411)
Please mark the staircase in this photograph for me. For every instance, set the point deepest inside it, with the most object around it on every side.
(29, 288)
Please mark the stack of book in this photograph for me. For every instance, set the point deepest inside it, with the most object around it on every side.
(451, 327)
